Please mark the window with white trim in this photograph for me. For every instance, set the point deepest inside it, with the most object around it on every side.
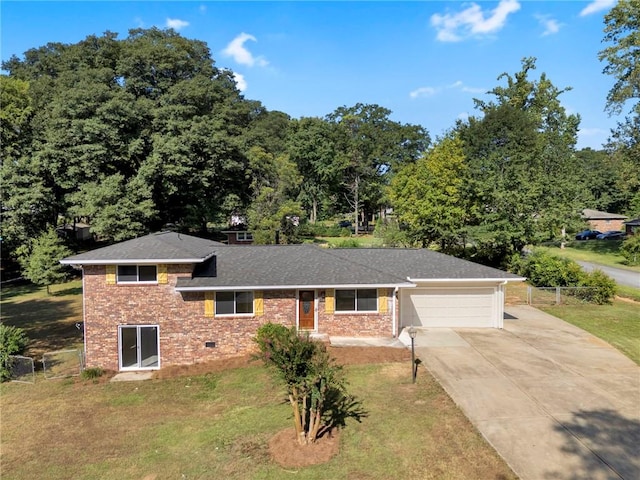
(234, 303)
(244, 236)
(357, 300)
(137, 274)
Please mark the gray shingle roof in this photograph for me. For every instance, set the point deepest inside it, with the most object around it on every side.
(220, 266)
(285, 266)
(307, 265)
(168, 247)
(589, 214)
(421, 264)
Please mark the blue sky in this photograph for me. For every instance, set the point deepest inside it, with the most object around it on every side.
(423, 60)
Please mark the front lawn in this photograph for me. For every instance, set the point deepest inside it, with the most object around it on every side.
(603, 252)
(618, 324)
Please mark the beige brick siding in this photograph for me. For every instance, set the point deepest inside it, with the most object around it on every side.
(606, 225)
(183, 327)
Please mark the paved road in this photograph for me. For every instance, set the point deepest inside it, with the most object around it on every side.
(554, 401)
(621, 276)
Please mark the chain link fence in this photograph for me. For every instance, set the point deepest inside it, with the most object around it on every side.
(22, 369)
(559, 295)
(63, 363)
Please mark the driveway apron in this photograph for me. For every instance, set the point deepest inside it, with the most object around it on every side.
(553, 400)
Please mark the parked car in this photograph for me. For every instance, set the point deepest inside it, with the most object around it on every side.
(611, 235)
(588, 234)
(344, 224)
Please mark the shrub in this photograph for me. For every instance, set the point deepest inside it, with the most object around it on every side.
(315, 384)
(92, 373)
(346, 243)
(13, 341)
(630, 250)
(546, 270)
(602, 288)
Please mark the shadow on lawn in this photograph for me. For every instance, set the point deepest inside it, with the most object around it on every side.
(612, 437)
(50, 323)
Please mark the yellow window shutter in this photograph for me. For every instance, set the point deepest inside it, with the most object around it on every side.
(209, 304)
(382, 300)
(111, 274)
(329, 302)
(258, 302)
(163, 277)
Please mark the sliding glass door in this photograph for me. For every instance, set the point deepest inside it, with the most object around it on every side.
(139, 347)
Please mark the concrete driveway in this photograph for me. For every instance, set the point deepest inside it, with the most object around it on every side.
(553, 400)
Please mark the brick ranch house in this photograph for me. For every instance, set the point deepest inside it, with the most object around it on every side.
(603, 221)
(173, 299)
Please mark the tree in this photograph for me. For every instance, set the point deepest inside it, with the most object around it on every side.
(273, 211)
(524, 174)
(622, 31)
(428, 195)
(314, 382)
(13, 341)
(41, 262)
(313, 149)
(370, 146)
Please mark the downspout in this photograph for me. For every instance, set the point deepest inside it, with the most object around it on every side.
(501, 305)
(84, 323)
(394, 326)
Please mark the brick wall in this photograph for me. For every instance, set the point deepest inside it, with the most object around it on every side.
(183, 327)
(606, 225)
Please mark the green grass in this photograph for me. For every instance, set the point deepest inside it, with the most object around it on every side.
(361, 240)
(617, 324)
(48, 320)
(604, 252)
(188, 427)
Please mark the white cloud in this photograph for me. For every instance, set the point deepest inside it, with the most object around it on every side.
(423, 92)
(472, 21)
(550, 25)
(240, 81)
(203, 9)
(464, 116)
(431, 91)
(596, 6)
(240, 54)
(176, 23)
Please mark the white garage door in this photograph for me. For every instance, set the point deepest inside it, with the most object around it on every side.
(449, 307)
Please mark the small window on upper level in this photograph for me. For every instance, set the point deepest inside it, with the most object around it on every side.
(137, 274)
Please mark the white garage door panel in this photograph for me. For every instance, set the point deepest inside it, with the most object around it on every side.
(463, 307)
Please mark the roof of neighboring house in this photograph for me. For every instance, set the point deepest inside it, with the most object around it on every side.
(634, 223)
(589, 214)
(162, 247)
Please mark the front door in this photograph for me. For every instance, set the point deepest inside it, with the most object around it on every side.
(306, 309)
(139, 347)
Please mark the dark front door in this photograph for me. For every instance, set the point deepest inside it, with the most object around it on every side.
(306, 309)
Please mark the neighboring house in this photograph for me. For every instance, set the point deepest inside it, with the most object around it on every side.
(171, 299)
(603, 221)
(238, 237)
(78, 231)
(632, 227)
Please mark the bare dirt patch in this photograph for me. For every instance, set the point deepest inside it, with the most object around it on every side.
(343, 356)
(288, 453)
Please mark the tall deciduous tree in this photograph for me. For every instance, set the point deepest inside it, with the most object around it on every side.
(428, 196)
(370, 146)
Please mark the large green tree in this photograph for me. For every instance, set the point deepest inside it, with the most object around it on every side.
(370, 147)
(428, 196)
(524, 175)
(622, 57)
